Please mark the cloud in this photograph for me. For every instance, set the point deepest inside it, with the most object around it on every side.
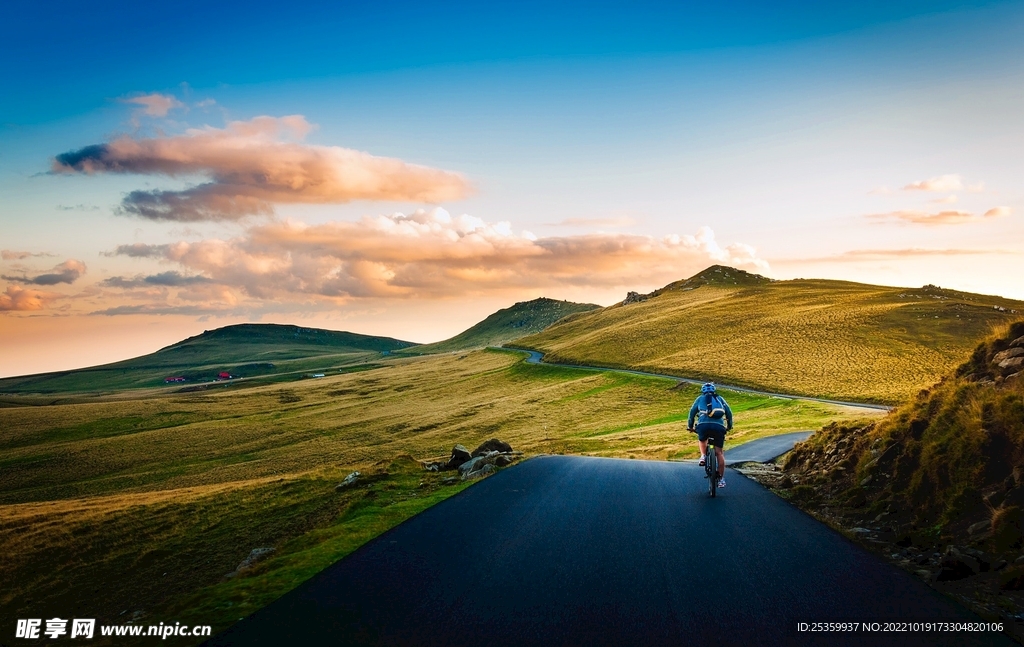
(940, 218)
(251, 167)
(944, 184)
(949, 199)
(997, 212)
(941, 184)
(431, 254)
(155, 104)
(12, 255)
(138, 250)
(67, 272)
(165, 279)
(19, 299)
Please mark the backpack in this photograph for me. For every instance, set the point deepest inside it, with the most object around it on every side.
(711, 411)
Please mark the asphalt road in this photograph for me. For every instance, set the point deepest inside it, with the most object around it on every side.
(566, 550)
(764, 449)
(538, 358)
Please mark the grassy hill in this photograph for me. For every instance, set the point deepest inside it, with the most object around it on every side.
(938, 485)
(806, 336)
(506, 325)
(244, 350)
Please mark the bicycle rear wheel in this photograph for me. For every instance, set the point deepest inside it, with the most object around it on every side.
(712, 469)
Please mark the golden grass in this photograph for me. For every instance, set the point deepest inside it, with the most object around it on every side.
(143, 505)
(820, 338)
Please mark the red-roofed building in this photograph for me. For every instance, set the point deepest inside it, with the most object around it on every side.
(177, 378)
(224, 375)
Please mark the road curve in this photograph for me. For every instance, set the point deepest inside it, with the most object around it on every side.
(568, 550)
(764, 449)
(537, 358)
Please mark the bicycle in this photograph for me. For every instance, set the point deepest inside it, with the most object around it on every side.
(711, 466)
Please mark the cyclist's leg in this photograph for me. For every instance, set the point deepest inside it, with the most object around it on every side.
(719, 443)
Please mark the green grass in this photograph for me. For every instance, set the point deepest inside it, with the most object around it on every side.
(114, 493)
(506, 325)
(820, 338)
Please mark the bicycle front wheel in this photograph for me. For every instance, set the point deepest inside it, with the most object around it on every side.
(712, 472)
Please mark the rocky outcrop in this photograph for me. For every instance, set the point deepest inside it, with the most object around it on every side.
(634, 297)
(484, 460)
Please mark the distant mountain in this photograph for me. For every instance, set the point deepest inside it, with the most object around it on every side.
(835, 339)
(243, 350)
(522, 319)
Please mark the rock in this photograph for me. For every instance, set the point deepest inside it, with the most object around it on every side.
(459, 456)
(492, 445)
(255, 555)
(859, 531)
(924, 574)
(976, 530)
(634, 297)
(1017, 342)
(470, 465)
(864, 482)
(1007, 354)
(1000, 565)
(482, 472)
(1013, 364)
(449, 480)
(956, 565)
(1019, 560)
(349, 481)
(501, 460)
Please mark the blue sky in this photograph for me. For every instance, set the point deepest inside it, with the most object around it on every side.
(628, 145)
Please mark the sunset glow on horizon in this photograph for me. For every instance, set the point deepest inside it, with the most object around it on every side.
(405, 172)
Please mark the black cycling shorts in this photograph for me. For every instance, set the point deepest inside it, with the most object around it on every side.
(716, 437)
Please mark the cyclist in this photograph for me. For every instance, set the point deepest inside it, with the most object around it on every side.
(714, 418)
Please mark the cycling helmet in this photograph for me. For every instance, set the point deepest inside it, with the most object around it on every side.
(709, 387)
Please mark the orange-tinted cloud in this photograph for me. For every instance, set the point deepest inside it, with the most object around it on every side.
(252, 167)
(12, 255)
(17, 298)
(67, 272)
(435, 255)
(155, 104)
(940, 218)
(945, 184)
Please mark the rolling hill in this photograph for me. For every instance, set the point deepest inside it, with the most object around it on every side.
(834, 339)
(244, 350)
(506, 325)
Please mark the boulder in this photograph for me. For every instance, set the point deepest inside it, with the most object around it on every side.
(980, 529)
(482, 472)
(470, 465)
(1016, 343)
(1008, 354)
(956, 565)
(1012, 365)
(348, 482)
(459, 456)
(501, 460)
(492, 445)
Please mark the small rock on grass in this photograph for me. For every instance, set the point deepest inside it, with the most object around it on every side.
(482, 472)
(349, 481)
(492, 445)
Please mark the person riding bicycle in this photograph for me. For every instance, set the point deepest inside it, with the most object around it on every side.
(714, 419)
